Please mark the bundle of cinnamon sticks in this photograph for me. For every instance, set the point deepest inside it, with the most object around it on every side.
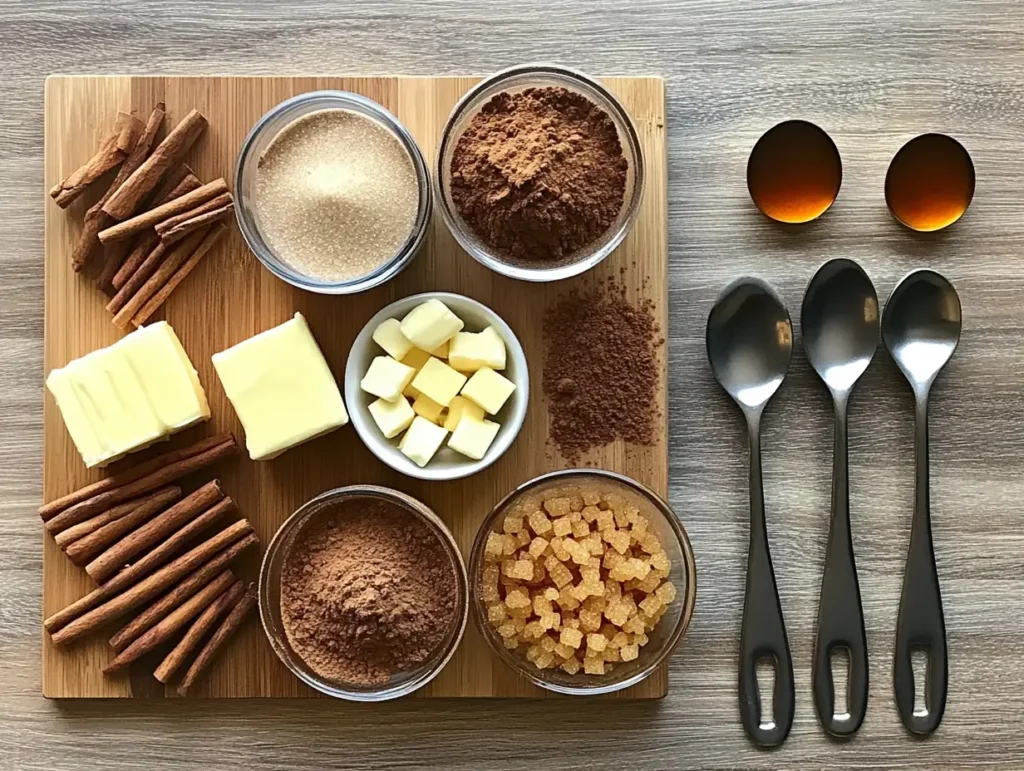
(134, 533)
(155, 222)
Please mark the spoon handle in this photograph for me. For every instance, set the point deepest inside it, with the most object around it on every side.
(920, 626)
(763, 634)
(840, 615)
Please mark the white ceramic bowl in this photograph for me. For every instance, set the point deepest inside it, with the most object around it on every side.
(446, 464)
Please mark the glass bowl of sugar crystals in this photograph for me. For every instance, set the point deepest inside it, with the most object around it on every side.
(583, 581)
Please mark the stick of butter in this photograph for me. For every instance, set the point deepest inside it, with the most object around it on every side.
(125, 397)
(470, 351)
(430, 324)
(281, 388)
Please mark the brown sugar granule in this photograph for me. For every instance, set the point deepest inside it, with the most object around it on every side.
(601, 369)
(539, 174)
(367, 592)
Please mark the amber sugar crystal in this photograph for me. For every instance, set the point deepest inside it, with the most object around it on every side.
(794, 172)
(930, 182)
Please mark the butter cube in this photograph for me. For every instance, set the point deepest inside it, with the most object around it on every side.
(387, 378)
(438, 381)
(281, 388)
(472, 437)
(489, 390)
(416, 358)
(123, 398)
(470, 351)
(441, 351)
(430, 324)
(388, 335)
(427, 407)
(460, 407)
(392, 418)
(421, 441)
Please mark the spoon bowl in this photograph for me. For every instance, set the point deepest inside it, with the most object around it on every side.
(921, 326)
(749, 342)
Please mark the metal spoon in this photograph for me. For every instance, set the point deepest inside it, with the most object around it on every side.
(749, 343)
(921, 329)
(839, 322)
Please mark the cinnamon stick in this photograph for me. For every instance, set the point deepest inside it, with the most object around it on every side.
(175, 257)
(153, 304)
(186, 611)
(141, 275)
(49, 510)
(173, 223)
(171, 151)
(157, 475)
(118, 555)
(82, 529)
(154, 216)
(197, 631)
(117, 272)
(87, 547)
(139, 570)
(216, 642)
(152, 615)
(199, 221)
(113, 149)
(159, 582)
(96, 219)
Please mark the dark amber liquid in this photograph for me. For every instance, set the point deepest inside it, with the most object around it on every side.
(930, 182)
(794, 172)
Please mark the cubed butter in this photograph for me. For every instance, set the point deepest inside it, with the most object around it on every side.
(439, 381)
(428, 408)
(281, 388)
(441, 351)
(472, 437)
(122, 398)
(489, 390)
(472, 350)
(387, 378)
(421, 441)
(392, 418)
(430, 324)
(459, 407)
(388, 335)
(416, 358)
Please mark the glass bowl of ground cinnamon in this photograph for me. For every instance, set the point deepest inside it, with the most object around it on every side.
(363, 594)
(583, 581)
(540, 172)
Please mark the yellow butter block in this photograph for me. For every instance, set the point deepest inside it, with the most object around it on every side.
(438, 381)
(460, 407)
(122, 398)
(388, 335)
(421, 441)
(392, 418)
(472, 350)
(489, 390)
(281, 387)
(473, 437)
(441, 351)
(430, 324)
(387, 378)
(428, 408)
(416, 358)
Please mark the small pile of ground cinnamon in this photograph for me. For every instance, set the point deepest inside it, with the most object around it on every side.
(539, 174)
(367, 592)
(601, 369)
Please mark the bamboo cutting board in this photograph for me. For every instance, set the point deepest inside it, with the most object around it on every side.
(230, 297)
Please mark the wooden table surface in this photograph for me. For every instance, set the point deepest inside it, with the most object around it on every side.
(873, 74)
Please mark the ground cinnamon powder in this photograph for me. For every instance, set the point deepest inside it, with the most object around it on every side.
(601, 369)
(539, 174)
(367, 592)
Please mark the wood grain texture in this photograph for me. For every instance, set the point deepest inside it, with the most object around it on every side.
(873, 73)
(231, 297)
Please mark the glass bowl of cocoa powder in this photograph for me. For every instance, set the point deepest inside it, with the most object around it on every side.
(363, 594)
(583, 581)
(540, 172)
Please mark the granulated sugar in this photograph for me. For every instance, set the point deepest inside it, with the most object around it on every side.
(335, 195)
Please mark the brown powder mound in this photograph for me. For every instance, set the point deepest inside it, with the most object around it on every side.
(601, 370)
(539, 174)
(367, 592)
